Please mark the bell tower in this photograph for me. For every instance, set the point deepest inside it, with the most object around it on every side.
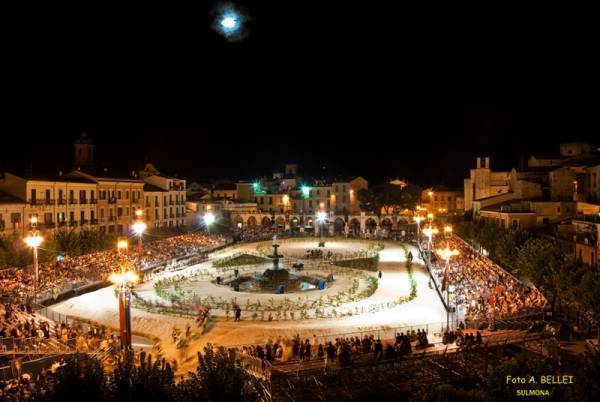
(84, 151)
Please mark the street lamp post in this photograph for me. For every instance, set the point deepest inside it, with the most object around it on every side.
(321, 219)
(33, 240)
(138, 228)
(429, 232)
(418, 219)
(124, 280)
(209, 219)
(430, 200)
(446, 254)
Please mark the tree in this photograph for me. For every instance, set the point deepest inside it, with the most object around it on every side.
(368, 201)
(388, 198)
(523, 365)
(218, 378)
(538, 258)
(81, 379)
(448, 393)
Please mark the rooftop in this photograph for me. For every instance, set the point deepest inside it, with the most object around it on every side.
(6, 198)
(54, 177)
(153, 188)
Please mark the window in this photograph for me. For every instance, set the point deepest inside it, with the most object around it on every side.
(118, 195)
(119, 211)
(92, 217)
(318, 192)
(60, 196)
(558, 210)
(156, 200)
(147, 200)
(33, 195)
(92, 195)
(515, 223)
(71, 196)
(82, 195)
(71, 216)
(156, 213)
(82, 216)
(270, 200)
(101, 213)
(48, 196)
(127, 211)
(344, 188)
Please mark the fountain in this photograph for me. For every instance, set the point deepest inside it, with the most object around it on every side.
(276, 279)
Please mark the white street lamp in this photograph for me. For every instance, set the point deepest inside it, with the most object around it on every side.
(33, 240)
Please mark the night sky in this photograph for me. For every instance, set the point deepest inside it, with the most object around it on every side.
(363, 90)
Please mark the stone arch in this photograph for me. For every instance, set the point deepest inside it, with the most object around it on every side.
(386, 224)
(280, 221)
(251, 222)
(294, 221)
(237, 221)
(370, 225)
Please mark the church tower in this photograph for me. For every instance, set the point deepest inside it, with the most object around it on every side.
(84, 151)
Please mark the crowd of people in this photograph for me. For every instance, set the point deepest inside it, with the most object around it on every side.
(459, 338)
(480, 289)
(72, 272)
(256, 232)
(342, 350)
(19, 323)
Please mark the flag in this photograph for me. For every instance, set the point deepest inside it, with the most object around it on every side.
(445, 280)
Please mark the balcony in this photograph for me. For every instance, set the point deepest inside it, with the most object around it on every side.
(93, 221)
(112, 200)
(112, 218)
(73, 201)
(83, 222)
(49, 225)
(83, 201)
(72, 223)
(49, 201)
(92, 201)
(62, 223)
(61, 201)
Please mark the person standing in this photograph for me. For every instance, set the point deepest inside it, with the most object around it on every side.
(380, 275)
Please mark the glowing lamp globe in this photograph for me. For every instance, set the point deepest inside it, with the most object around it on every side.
(34, 240)
(138, 228)
(209, 219)
(321, 216)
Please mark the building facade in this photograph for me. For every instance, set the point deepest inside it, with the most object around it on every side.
(58, 201)
(483, 183)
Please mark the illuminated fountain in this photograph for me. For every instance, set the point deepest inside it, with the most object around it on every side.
(276, 279)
